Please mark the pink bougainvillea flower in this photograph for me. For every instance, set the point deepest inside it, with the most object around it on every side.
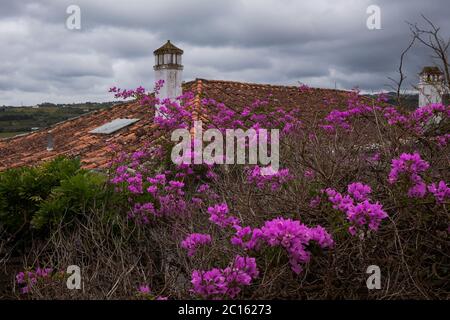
(193, 241)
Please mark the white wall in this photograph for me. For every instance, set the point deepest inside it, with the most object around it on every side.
(430, 93)
(172, 83)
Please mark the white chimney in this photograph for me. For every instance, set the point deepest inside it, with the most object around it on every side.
(168, 67)
(431, 86)
(50, 142)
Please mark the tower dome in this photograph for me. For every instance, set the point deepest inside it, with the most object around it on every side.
(168, 56)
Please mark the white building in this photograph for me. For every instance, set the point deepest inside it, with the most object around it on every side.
(431, 86)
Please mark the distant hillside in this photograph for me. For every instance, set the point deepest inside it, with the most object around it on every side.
(409, 101)
(17, 120)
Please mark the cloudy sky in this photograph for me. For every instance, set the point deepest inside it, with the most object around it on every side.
(323, 43)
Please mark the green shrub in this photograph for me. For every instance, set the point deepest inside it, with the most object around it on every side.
(20, 193)
(74, 196)
(43, 194)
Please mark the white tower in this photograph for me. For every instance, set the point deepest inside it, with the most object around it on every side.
(431, 86)
(168, 67)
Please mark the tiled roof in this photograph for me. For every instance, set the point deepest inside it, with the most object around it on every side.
(311, 101)
(73, 137)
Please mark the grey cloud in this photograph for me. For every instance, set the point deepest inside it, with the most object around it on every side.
(323, 43)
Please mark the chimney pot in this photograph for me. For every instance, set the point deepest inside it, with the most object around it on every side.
(50, 141)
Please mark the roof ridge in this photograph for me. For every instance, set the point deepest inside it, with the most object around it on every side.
(252, 83)
(232, 82)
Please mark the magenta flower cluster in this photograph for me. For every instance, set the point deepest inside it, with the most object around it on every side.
(193, 241)
(26, 280)
(257, 115)
(273, 180)
(219, 214)
(139, 93)
(359, 210)
(181, 113)
(339, 118)
(304, 88)
(294, 237)
(417, 120)
(167, 194)
(291, 235)
(225, 283)
(141, 212)
(309, 174)
(176, 114)
(359, 191)
(440, 191)
(412, 166)
(342, 118)
(246, 237)
(125, 94)
(443, 140)
(144, 290)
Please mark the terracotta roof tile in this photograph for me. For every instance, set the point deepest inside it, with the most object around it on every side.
(72, 137)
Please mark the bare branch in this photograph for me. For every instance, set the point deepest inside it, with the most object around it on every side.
(398, 83)
(432, 39)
